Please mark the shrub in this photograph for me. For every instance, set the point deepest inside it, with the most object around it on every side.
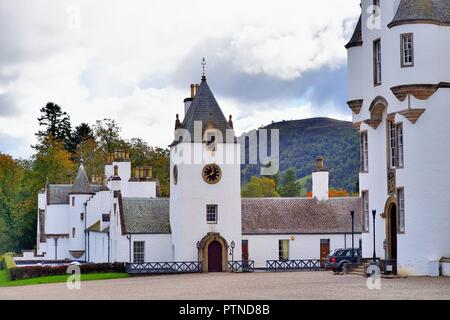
(43, 271)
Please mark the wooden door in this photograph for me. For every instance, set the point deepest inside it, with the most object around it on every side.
(215, 257)
(324, 248)
(244, 250)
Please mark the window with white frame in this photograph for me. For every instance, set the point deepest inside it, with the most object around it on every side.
(400, 154)
(365, 203)
(407, 50)
(283, 249)
(364, 152)
(392, 145)
(401, 209)
(395, 141)
(377, 62)
(211, 213)
(138, 251)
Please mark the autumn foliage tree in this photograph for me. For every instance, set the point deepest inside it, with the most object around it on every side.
(259, 187)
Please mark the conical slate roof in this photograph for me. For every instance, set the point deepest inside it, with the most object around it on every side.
(81, 183)
(356, 39)
(427, 11)
(205, 108)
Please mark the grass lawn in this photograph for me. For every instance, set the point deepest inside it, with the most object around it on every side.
(5, 282)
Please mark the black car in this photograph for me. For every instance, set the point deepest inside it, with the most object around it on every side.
(338, 257)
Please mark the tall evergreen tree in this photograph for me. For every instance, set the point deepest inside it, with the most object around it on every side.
(56, 123)
(81, 133)
(290, 186)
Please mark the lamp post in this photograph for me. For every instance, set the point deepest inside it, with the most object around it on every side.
(198, 251)
(56, 248)
(374, 258)
(352, 213)
(233, 244)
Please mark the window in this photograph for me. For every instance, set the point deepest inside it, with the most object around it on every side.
(392, 145)
(138, 251)
(399, 130)
(105, 217)
(211, 213)
(377, 62)
(401, 210)
(82, 216)
(73, 232)
(283, 249)
(364, 152)
(407, 50)
(396, 155)
(73, 201)
(365, 203)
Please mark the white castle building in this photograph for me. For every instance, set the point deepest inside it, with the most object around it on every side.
(122, 219)
(399, 92)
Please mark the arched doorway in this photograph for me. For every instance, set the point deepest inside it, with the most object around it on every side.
(391, 231)
(215, 256)
(213, 247)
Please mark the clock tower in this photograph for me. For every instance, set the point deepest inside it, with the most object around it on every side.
(205, 198)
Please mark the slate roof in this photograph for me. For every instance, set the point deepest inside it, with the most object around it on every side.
(432, 11)
(299, 215)
(59, 193)
(356, 39)
(204, 108)
(146, 215)
(81, 184)
(259, 215)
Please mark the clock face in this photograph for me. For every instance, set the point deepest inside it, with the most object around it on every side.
(175, 174)
(211, 173)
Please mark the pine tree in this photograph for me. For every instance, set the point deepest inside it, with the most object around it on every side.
(290, 187)
(56, 123)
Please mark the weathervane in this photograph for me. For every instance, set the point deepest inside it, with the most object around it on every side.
(203, 68)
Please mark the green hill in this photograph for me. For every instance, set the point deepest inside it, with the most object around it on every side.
(301, 141)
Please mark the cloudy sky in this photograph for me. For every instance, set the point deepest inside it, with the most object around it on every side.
(133, 61)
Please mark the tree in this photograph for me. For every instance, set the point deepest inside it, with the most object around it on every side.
(259, 187)
(10, 182)
(290, 186)
(141, 154)
(56, 123)
(81, 133)
(107, 135)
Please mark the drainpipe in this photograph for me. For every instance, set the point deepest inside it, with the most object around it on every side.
(109, 241)
(85, 233)
(88, 247)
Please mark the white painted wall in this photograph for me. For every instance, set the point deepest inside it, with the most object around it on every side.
(320, 185)
(304, 246)
(426, 172)
(191, 195)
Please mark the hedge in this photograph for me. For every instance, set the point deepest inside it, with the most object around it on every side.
(43, 271)
(7, 262)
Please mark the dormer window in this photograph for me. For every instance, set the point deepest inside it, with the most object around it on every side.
(407, 50)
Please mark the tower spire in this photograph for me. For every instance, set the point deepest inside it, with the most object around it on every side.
(203, 69)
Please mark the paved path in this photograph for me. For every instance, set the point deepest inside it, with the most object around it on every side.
(281, 285)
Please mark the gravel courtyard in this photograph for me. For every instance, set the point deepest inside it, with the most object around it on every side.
(282, 285)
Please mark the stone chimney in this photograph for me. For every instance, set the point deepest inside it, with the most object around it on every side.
(320, 180)
(188, 101)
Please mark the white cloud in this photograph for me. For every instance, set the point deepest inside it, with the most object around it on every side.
(96, 71)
